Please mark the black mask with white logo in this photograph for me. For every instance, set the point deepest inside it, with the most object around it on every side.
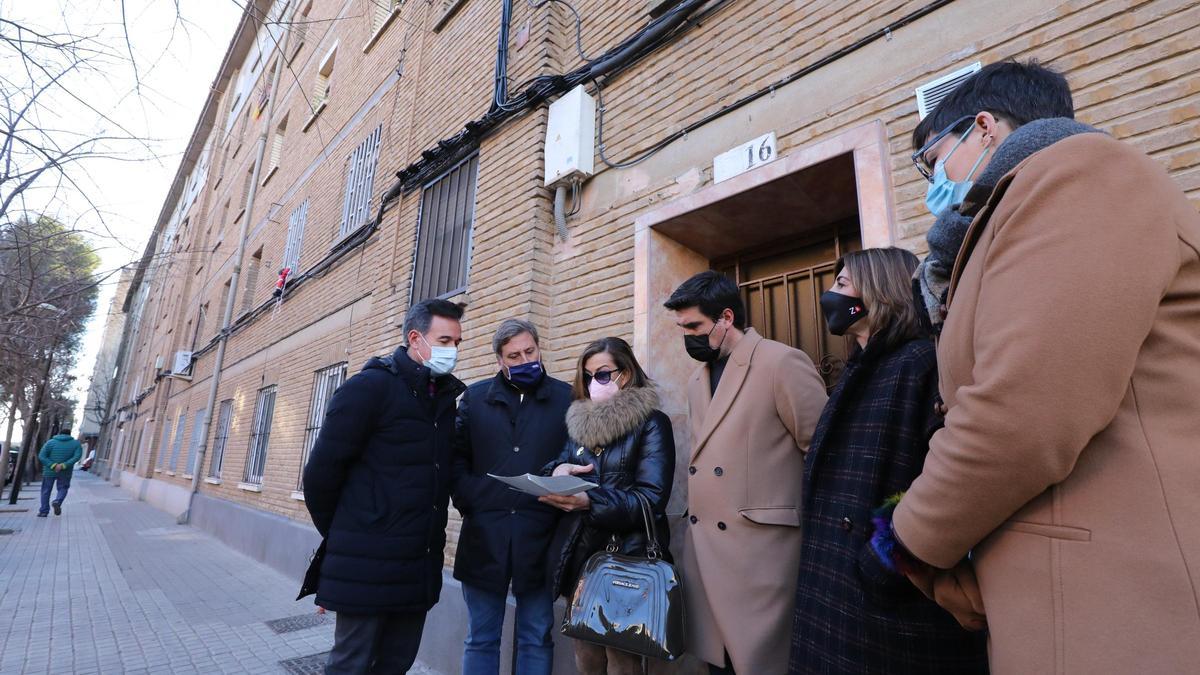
(698, 348)
(841, 311)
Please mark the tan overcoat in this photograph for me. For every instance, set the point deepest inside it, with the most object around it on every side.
(742, 546)
(1070, 459)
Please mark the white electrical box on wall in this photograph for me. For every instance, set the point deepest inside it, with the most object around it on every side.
(571, 138)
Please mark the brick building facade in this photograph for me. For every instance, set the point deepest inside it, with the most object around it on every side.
(337, 96)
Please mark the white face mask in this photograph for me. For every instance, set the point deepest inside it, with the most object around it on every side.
(603, 392)
(441, 360)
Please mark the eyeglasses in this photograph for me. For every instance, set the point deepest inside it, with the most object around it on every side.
(918, 157)
(603, 377)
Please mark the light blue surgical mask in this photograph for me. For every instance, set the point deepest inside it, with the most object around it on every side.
(944, 193)
(441, 360)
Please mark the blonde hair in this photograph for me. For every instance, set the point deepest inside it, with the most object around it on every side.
(884, 277)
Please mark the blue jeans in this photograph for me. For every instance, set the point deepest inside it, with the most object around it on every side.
(535, 618)
(64, 482)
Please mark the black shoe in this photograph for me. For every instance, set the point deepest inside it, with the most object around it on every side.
(57, 506)
(42, 515)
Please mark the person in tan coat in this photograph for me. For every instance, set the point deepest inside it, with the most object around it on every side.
(753, 406)
(1067, 477)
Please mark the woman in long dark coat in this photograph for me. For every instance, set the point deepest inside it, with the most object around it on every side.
(854, 615)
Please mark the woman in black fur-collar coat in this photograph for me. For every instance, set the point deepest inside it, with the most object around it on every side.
(620, 440)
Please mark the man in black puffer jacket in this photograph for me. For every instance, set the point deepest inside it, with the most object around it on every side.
(507, 425)
(377, 485)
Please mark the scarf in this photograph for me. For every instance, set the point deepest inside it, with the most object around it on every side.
(931, 282)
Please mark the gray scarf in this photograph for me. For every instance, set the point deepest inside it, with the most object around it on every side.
(932, 278)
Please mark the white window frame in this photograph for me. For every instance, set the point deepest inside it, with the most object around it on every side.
(360, 183)
(295, 237)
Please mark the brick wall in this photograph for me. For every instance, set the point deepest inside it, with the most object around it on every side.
(1133, 66)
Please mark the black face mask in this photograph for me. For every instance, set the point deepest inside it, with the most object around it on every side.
(841, 311)
(698, 348)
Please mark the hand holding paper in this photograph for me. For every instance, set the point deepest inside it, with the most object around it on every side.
(541, 486)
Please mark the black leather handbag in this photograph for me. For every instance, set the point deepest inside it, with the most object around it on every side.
(629, 603)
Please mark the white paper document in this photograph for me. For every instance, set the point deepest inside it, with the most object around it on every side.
(540, 486)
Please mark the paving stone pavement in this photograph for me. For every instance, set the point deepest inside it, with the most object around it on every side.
(114, 585)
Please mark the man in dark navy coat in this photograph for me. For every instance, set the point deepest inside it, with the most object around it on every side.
(508, 425)
(377, 485)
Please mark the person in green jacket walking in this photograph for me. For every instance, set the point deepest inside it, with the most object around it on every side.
(58, 457)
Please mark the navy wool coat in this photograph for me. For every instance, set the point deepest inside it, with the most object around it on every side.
(377, 485)
(852, 614)
(502, 432)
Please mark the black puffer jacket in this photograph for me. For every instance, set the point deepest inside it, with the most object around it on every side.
(377, 484)
(500, 431)
(630, 443)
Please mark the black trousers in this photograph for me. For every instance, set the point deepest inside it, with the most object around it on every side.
(375, 643)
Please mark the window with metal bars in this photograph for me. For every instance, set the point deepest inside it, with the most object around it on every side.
(218, 449)
(178, 444)
(360, 181)
(295, 237)
(252, 269)
(194, 444)
(325, 382)
(260, 436)
(444, 226)
(162, 446)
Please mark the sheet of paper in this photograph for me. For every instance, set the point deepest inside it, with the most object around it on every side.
(540, 486)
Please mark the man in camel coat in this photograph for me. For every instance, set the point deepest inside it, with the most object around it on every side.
(753, 406)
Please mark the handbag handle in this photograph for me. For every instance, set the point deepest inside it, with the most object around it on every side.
(653, 550)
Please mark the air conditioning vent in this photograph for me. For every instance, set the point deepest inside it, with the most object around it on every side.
(182, 364)
(930, 94)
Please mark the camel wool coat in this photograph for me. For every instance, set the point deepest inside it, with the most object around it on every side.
(1069, 464)
(742, 545)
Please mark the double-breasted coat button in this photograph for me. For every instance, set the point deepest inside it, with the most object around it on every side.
(847, 524)
(720, 526)
(693, 519)
(692, 470)
(516, 448)
(719, 471)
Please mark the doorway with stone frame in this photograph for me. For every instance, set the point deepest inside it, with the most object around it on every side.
(778, 231)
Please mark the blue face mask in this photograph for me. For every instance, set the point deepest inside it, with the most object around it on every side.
(944, 193)
(525, 375)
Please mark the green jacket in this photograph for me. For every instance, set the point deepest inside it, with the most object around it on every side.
(61, 449)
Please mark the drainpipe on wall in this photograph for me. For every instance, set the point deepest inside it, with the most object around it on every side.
(227, 317)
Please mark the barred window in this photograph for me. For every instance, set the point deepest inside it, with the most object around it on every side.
(218, 451)
(162, 446)
(260, 436)
(360, 180)
(178, 444)
(295, 237)
(194, 445)
(444, 226)
(325, 382)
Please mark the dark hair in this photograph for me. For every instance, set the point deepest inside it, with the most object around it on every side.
(713, 293)
(65, 429)
(622, 355)
(420, 316)
(884, 277)
(1013, 91)
(511, 328)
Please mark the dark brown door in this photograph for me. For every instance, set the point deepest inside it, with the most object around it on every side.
(781, 286)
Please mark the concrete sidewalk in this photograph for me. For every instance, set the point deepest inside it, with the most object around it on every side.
(113, 585)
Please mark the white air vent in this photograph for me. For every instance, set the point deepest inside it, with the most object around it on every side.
(930, 94)
(183, 362)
